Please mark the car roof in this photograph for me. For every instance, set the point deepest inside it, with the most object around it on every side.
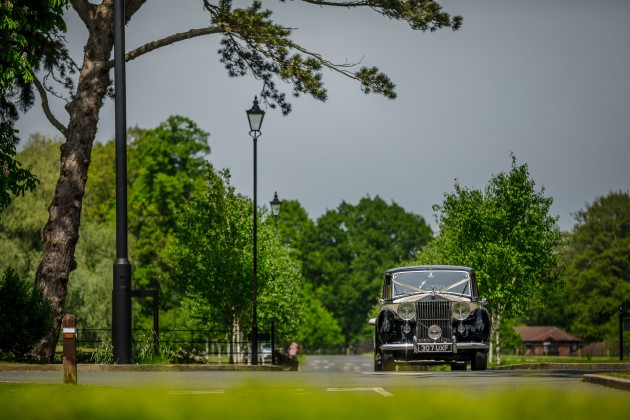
(429, 267)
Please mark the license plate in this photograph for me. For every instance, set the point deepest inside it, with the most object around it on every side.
(435, 348)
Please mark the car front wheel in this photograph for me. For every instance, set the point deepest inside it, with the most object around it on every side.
(479, 360)
(387, 362)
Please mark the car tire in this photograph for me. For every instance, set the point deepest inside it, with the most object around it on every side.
(387, 362)
(479, 360)
(378, 362)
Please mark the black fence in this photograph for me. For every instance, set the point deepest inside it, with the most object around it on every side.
(624, 325)
(178, 346)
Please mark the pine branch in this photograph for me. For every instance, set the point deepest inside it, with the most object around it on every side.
(171, 39)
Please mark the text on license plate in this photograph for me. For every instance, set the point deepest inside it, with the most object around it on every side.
(434, 348)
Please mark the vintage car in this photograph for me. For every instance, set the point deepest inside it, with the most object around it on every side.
(431, 315)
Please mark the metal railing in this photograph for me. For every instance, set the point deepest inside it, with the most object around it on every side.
(176, 346)
(624, 325)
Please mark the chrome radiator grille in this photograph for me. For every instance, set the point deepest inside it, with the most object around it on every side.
(433, 313)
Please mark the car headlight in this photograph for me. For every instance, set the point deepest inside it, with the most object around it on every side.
(461, 310)
(434, 332)
(406, 311)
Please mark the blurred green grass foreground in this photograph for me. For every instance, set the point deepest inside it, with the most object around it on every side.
(256, 401)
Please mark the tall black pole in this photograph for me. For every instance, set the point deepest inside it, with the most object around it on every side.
(121, 294)
(255, 262)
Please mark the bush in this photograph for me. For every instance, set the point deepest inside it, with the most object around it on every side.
(25, 316)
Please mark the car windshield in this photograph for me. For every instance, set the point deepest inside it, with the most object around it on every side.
(429, 281)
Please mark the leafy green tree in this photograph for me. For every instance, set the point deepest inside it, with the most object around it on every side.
(212, 260)
(319, 331)
(294, 226)
(352, 246)
(28, 30)
(21, 222)
(252, 44)
(598, 267)
(24, 315)
(507, 235)
(168, 168)
(89, 291)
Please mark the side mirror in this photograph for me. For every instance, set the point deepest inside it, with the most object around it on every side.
(372, 321)
(484, 301)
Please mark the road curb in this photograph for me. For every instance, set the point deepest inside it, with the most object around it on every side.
(566, 366)
(609, 381)
(140, 368)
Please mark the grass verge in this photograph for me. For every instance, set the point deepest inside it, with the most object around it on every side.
(258, 401)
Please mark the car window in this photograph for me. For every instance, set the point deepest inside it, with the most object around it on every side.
(455, 282)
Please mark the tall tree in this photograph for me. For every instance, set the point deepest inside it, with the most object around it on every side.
(251, 45)
(507, 235)
(598, 267)
(212, 261)
(168, 164)
(350, 250)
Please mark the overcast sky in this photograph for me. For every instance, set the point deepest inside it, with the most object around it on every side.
(548, 80)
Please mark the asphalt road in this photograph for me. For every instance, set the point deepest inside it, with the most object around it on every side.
(335, 374)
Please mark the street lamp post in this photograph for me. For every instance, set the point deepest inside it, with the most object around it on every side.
(275, 204)
(255, 116)
(121, 293)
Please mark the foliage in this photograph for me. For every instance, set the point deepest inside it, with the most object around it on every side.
(295, 226)
(212, 260)
(14, 180)
(598, 267)
(165, 168)
(24, 315)
(168, 166)
(352, 246)
(27, 29)
(252, 45)
(507, 235)
(24, 24)
(22, 220)
(319, 330)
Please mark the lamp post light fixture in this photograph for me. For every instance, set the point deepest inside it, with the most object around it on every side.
(255, 116)
(275, 208)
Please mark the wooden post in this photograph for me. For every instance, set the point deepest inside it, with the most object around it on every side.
(69, 349)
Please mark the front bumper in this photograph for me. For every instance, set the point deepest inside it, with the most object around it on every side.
(415, 346)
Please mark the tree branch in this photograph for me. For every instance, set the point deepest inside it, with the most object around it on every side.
(340, 68)
(339, 4)
(49, 115)
(84, 9)
(171, 39)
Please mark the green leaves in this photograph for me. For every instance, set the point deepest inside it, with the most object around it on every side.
(598, 267)
(421, 15)
(25, 315)
(346, 254)
(212, 261)
(253, 44)
(506, 234)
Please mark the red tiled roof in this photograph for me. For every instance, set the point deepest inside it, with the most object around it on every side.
(542, 334)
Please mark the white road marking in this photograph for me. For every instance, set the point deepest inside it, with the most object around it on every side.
(219, 391)
(378, 390)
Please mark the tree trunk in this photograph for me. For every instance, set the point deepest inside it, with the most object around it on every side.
(497, 332)
(61, 231)
(491, 348)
